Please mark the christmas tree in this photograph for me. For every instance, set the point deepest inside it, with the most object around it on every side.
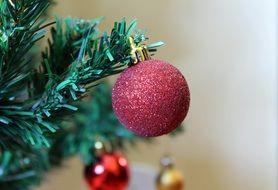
(42, 118)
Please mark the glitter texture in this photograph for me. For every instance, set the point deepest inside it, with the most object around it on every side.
(151, 98)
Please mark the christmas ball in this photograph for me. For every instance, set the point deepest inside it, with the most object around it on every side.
(151, 98)
(170, 179)
(110, 171)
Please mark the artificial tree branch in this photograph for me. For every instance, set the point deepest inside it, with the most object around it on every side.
(74, 60)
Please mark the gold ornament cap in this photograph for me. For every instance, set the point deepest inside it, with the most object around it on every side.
(138, 53)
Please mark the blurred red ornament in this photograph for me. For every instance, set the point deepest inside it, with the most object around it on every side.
(151, 98)
(110, 172)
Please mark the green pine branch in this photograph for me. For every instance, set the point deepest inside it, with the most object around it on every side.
(21, 26)
(76, 58)
(97, 58)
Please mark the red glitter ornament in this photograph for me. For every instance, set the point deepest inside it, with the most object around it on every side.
(110, 172)
(151, 98)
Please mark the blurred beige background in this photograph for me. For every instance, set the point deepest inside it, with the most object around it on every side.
(227, 51)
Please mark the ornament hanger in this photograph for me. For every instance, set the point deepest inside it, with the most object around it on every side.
(138, 53)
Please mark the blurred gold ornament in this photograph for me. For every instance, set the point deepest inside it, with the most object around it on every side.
(169, 178)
